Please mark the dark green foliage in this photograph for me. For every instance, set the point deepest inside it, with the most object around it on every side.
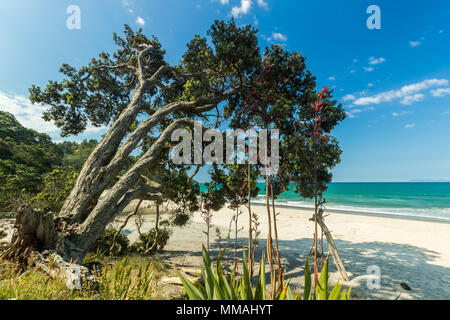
(57, 187)
(34, 169)
(232, 183)
(76, 154)
(280, 97)
(93, 94)
(25, 156)
(147, 240)
(103, 244)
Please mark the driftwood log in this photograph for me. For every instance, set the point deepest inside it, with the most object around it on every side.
(332, 246)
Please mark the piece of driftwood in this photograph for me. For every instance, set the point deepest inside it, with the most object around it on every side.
(332, 247)
(74, 275)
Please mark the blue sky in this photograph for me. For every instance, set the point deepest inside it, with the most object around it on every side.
(393, 82)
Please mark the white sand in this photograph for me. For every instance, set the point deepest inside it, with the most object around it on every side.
(413, 252)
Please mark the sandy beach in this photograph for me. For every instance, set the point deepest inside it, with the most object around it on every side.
(405, 251)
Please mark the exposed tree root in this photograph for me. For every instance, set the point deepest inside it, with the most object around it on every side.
(36, 242)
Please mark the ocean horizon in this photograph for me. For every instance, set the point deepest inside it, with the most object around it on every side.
(430, 200)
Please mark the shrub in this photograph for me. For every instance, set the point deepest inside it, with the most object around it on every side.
(217, 286)
(147, 240)
(102, 245)
(57, 187)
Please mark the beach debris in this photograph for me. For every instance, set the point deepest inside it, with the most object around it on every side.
(405, 286)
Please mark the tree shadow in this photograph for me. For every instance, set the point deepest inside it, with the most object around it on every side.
(397, 263)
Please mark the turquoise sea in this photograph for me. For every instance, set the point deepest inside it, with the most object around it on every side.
(425, 200)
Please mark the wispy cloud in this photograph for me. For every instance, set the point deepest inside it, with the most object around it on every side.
(415, 43)
(353, 113)
(410, 126)
(263, 4)
(375, 61)
(368, 69)
(243, 9)
(140, 21)
(441, 92)
(408, 100)
(407, 94)
(349, 97)
(331, 78)
(401, 113)
(127, 6)
(30, 116)
(277, 37)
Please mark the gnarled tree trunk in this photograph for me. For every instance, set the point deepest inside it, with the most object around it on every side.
(99, 195)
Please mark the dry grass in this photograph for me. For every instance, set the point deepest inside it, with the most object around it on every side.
(131, 278)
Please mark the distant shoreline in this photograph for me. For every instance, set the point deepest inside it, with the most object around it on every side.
(362, 213)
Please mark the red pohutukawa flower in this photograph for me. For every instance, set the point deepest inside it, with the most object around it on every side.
(243, 187)
(318, 106)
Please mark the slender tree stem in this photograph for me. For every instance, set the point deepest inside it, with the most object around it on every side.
(250, 260)
(280, 269)
(269, 238)
(316, 268)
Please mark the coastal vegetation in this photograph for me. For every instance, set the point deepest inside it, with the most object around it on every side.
(67, 195)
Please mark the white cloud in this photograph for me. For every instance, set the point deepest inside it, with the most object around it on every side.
(127, 6)
(352, 114)
(370, 84)
(441, 92)
(368, 69)
(262, 4)
(140, 21)
(402, 113)
(349, 97)
(410, 126)
(30, 116)
(441, 31)
(277, 37)
(407, 93)
(415, 43)
(331, 78)
(374, 61)
(243, 9)
(408, 100)
(224, 2)
(352, 71)
(349, 114)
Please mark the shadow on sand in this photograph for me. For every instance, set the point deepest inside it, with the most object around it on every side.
(398, 263)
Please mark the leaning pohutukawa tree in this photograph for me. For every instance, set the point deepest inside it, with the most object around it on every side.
(138, 94)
